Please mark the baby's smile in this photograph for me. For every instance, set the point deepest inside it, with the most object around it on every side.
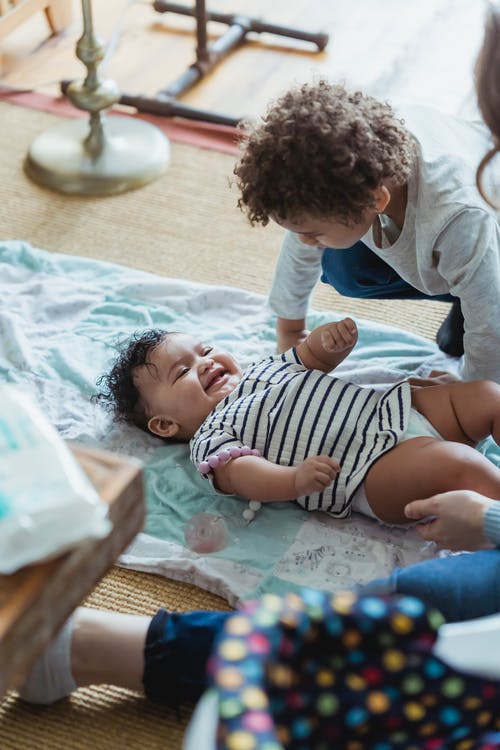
(216, 379)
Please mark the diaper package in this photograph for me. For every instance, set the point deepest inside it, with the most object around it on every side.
(47, 503)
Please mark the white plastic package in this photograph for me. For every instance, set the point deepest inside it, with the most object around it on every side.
(47, 503)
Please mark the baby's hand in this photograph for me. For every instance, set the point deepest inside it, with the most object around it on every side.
(314, 474)
(337, 337)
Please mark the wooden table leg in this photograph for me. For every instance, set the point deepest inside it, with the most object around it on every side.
(59, 14)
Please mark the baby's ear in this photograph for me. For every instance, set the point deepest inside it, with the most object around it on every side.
(163, 427)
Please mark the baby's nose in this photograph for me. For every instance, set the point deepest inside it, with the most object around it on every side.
(206, 364)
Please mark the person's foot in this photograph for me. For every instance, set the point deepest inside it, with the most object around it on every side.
(450, 336)
(50, 678)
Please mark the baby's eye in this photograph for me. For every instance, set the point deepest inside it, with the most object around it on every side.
(182, 371)
(207, 350)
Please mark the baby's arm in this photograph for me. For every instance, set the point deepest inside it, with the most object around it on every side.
(257, 478)
(328, 345)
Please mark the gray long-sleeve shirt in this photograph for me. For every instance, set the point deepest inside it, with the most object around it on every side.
(492, 523)
(449, 243)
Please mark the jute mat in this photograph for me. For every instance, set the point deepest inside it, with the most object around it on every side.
(184, 225)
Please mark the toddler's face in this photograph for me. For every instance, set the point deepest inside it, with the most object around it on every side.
(182, 381)
(323, 233)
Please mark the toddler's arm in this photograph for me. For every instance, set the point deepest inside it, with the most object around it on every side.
(328, 345)
(290, 333)
(257, 478)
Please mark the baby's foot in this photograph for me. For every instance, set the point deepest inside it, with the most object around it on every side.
(50, 678)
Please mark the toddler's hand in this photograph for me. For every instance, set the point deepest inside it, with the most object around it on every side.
(338, 337)
(314, 474)
(435, 377)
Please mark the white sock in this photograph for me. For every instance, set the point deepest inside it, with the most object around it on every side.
(472, 646)
(50, 678)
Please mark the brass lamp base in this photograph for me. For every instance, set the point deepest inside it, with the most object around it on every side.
(133, 153)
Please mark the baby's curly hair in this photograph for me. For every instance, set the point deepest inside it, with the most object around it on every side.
(322, 151)
(119, 393)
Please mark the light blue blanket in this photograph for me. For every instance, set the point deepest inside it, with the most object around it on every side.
(61, 321)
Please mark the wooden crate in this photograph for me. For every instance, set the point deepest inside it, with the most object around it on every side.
(36, 600)
(15, 12)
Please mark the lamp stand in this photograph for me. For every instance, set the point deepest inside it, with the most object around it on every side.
(102, 155)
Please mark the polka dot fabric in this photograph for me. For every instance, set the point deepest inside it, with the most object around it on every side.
(321, 672)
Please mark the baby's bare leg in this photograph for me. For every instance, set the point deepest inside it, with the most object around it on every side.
(424, 466)
(463, 412)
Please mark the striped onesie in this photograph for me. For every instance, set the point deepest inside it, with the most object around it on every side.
(289, 412)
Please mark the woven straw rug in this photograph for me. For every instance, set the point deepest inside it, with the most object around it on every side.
(184, 225)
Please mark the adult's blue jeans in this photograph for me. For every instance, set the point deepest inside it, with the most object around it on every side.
(358, 272)
(462, 587)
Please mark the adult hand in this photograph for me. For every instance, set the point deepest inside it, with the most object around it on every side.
(314, 474)
(454, 520)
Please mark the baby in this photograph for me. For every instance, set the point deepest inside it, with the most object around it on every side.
(285, 429)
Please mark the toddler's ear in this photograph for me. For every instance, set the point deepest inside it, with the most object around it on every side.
(382, 198)
(163, 427)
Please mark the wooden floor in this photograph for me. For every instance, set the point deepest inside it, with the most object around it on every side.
(392, 48)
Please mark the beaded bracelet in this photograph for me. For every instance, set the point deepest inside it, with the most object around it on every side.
(225, 455)
(212, 462)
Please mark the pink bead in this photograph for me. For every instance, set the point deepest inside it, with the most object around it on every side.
(205, 467)
(213, 461)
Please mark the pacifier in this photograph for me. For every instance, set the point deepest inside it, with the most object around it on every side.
(205, 532)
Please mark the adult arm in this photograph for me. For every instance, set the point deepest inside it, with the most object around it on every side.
(457, 520)
(492, 523)
(296, 274)
(257, 478)
(468, 253)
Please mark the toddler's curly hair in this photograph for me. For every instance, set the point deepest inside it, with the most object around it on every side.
(119, 393)
(321, 150)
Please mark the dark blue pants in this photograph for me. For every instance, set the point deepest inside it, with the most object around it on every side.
(358, 272)
(178, 646)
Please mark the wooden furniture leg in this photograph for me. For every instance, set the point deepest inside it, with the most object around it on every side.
(207, 56)
(59, 14)
(12, 14)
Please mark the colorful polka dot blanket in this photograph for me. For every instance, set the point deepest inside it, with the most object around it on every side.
(311, 671)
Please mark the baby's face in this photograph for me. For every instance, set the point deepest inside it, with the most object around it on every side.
(182, 382)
